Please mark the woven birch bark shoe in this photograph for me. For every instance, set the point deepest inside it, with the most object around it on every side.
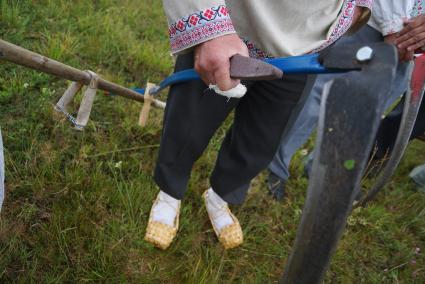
(226, 226)
(163, 221)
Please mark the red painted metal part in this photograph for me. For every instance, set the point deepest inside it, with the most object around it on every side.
(418, 78)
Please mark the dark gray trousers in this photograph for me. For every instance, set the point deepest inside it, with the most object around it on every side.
(194, 113)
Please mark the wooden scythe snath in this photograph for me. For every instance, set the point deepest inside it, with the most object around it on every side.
(32, 60)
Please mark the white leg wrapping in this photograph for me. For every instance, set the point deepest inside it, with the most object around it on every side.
(216, 206)
(165, 210)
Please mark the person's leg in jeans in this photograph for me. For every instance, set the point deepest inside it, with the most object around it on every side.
(294, 137)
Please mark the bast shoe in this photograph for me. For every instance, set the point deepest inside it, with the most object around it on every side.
(158, 232)
(230, 235)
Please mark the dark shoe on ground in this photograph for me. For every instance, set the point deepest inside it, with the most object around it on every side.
(418, 176)
(276, 186)
(308, 164)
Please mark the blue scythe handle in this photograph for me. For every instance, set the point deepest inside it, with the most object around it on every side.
(289, 65)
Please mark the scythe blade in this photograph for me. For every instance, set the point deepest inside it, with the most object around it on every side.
(413, 101)
(350, 115)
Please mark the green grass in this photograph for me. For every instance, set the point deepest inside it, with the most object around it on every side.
(77, 202)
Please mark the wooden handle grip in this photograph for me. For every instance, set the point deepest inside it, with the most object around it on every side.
(247, 68)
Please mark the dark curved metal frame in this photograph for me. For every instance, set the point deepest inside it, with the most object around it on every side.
(341, 159)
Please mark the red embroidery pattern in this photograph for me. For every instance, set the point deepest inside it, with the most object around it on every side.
(255, 52)
(418, 9)
(213, 21)
(200, 25)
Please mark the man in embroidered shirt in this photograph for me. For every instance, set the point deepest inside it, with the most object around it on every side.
(205, 34)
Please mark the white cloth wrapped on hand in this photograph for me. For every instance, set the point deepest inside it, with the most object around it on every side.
(237, 92)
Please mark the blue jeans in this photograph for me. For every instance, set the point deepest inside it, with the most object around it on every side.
(1, 172)
(306, 120)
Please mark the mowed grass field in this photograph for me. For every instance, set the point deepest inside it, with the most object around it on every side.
(77, 203)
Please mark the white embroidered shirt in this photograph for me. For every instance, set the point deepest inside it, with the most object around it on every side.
(270, 28)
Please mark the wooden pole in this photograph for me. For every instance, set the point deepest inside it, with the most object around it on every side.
(24, 57)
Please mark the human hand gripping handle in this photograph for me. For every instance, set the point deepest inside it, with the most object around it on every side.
(212, 60)
(222, 61)
(247, 68)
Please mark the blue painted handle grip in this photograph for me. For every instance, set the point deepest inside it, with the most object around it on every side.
(304, 64)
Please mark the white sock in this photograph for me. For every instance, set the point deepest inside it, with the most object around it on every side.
(215, 206)
(165, 210)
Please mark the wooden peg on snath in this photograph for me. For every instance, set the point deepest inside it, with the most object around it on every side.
(63, 104)
(144, 113)
(86, 103)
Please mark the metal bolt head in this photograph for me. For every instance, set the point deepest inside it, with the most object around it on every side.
(364, 54)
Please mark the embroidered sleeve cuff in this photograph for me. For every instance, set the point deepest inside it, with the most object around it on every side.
(365, 3)
(199, 27)
(391, 27)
